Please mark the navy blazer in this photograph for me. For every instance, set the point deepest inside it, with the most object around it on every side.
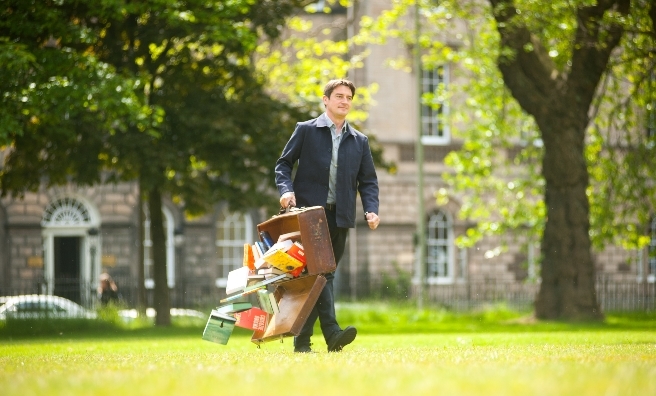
(311, 145)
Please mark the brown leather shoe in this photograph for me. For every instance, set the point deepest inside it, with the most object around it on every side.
(341, 339)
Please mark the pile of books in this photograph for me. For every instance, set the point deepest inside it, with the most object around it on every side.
(266, 260)
(265, 263)
(223, 320)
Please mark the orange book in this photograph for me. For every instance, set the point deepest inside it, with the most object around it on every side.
(249, 259)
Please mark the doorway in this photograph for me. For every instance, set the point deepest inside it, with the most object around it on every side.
(67, 258)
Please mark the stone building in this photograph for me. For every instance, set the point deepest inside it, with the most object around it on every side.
(60, 239)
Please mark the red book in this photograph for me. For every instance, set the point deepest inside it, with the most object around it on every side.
(297, 252)
(254, 319)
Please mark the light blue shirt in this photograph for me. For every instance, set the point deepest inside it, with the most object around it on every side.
(337, 139)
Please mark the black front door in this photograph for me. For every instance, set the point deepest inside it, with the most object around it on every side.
(67, 267)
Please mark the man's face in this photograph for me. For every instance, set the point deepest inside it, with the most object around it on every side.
(339, 102)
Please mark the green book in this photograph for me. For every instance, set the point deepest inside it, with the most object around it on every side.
(234, 307)
(219, 327)
(265, 301)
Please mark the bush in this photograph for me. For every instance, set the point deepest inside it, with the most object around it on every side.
(396, 286)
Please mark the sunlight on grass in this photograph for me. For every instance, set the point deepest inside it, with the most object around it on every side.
(513, 358)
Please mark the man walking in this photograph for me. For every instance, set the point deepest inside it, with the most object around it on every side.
(334, 163)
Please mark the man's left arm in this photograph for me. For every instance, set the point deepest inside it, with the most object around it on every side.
(368, 186)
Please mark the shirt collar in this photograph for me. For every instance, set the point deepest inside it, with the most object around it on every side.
(324, 121)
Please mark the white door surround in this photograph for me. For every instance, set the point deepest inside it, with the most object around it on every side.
(73, 216)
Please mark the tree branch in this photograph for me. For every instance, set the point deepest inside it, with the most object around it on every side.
(528, 71)
(594, 43)
(652, 16)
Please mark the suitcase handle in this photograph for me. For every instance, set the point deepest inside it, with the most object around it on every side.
(285, 210)
(289, 209)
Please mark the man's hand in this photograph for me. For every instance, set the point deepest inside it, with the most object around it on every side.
(287, 199)
(373, 220)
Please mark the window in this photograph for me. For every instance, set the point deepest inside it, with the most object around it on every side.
(439, 257)
(233, 230)
(66, 212)
(651, 256)
(169, 226)
(434, 108)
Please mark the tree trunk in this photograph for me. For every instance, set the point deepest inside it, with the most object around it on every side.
(559, 100)
(162, 303)
(141, 278)
(567, 290)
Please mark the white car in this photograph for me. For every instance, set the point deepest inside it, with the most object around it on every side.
(36, 306)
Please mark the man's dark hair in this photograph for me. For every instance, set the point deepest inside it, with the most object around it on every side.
(332, 84)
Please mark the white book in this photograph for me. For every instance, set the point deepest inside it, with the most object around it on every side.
(294, 236)
(282, 246)
(261, 264)
(237, 280)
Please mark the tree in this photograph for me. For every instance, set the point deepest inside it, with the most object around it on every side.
(188, 117)
(559, 99)
(536, 68)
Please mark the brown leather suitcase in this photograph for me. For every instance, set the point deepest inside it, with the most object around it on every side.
(315, 237)
(297, 297)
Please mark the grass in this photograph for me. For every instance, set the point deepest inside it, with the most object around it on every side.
(398, 351)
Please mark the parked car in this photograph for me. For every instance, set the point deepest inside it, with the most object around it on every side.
(36, 306)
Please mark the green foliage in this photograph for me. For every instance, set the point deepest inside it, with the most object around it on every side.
(159, 91)
(395, 286)
(498, 169)
(503, 187)
(14, 60)
(623, 137)
(296, 67)
(163, 92)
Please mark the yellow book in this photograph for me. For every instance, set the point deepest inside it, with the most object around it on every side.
(282, 261)
(277, 257)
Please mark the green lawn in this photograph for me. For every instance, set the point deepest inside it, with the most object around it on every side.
(397, 352)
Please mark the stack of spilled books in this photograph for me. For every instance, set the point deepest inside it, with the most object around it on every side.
(265, 260)
(265, 263)
(284, 256)
(223, 320)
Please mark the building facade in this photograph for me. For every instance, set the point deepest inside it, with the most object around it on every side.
(59, 240)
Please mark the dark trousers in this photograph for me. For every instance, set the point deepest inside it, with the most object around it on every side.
(324, 309)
